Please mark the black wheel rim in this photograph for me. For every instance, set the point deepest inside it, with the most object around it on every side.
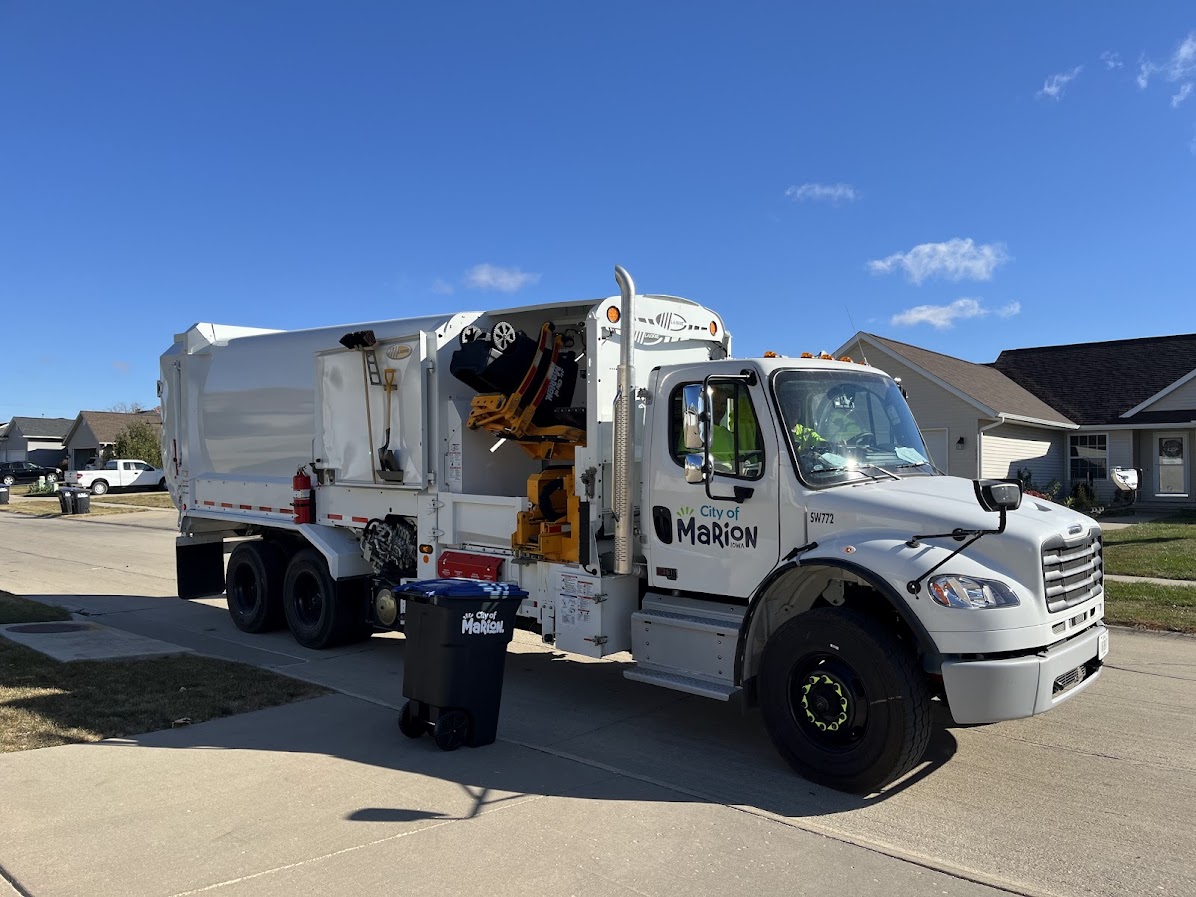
(828, 702)
(245, 589)
(309, 599)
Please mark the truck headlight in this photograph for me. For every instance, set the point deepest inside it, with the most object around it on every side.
(968, 592)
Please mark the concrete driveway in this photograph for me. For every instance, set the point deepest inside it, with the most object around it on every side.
(597, 784)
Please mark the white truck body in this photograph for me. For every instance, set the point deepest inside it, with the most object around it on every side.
(119, 473)
(719, 567)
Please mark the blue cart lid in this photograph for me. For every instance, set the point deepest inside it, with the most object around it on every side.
(463, 588)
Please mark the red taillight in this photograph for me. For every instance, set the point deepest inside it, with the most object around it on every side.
(78, 476)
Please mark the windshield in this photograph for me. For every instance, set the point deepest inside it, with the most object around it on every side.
(846, 426)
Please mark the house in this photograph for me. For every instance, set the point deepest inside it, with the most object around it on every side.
(1134, 401)
(93, 432)
(35, 439)
(1068, 413)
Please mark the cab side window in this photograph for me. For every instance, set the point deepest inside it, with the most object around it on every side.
(736, 448)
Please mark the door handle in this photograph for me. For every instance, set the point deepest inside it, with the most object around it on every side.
(662, 521)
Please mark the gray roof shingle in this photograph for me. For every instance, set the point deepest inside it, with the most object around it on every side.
(42, 427)
(986, 385)
(1095, 383)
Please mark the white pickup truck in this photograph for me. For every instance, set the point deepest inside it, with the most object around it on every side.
(120, 473)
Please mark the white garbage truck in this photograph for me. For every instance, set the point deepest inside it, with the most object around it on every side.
(765, 529)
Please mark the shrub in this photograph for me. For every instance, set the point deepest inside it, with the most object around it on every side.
(138, 441)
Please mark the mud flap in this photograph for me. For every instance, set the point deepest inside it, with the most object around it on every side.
(199, 569)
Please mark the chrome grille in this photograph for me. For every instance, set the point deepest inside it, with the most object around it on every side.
(1072, 572)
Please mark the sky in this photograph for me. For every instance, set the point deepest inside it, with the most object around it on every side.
(966, 177)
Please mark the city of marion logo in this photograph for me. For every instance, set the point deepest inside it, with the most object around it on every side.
(714, 526)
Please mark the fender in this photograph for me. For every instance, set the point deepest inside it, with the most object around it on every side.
(895, 599)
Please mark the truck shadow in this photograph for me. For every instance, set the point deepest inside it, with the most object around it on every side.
(580, 717)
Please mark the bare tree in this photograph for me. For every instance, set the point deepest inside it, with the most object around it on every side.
(126, 407)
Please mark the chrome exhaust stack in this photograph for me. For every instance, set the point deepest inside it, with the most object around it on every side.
(624, 448)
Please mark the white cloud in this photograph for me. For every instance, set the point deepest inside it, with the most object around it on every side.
(505, 280)
(1179, 66)
(943, 317)
(832, 193)
(442, 287)
(955, 259)
(1181, 94)
(1111, 59)
(1054, 85)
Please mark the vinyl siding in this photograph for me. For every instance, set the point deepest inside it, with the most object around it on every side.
(933, 407)
(1182, 399)
(1011, 447)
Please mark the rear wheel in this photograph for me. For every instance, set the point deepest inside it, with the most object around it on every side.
(51, 478)
(99, 487)
(321, 612)
(844, 700)
(253, 586)
(9, 480)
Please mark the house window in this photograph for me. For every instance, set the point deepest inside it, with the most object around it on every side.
(1089, 457)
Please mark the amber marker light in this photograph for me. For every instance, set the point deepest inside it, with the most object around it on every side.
(612, 314)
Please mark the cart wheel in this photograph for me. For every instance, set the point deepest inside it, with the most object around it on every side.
(503, 335)
(451, 730)
(409, 724)
(471, 333)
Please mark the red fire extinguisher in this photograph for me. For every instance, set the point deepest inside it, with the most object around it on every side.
(301, 504)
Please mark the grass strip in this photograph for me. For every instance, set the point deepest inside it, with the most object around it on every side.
(49, 508)
(44, 703)
(15, 609)
(1149, 606)
(1165, 548)
(141, 499)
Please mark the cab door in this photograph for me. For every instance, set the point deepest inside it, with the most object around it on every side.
(722, 536)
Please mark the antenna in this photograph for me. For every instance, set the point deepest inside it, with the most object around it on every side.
(863, 353)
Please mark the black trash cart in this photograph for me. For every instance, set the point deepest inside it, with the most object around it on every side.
(457, 632)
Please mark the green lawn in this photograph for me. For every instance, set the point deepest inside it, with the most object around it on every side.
(1166, 548)
(1150, 606)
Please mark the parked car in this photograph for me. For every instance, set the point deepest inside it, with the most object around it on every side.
(26, 472)
(121, 473)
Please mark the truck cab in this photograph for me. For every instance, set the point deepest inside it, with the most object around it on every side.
(791, 513)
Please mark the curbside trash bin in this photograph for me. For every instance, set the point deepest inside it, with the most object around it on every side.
(82, 501)
(66, 501)
(457, 632)
(3, 494)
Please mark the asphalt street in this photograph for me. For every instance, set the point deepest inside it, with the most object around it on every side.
(604, 785)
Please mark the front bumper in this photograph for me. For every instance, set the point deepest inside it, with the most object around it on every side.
(988, 691)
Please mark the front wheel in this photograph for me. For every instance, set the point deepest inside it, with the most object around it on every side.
(99, 487)
(844, 700)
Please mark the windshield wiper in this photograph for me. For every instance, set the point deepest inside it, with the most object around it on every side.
(857, 469)
(914, 464)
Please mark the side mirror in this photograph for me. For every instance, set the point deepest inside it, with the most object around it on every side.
(998, 495)
(693, 397)
(695, 469)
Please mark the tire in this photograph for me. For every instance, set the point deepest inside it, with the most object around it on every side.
(9, 480)
(320, 612)
(844, 700)
(253, 586)
(451, 729)
(99, 487)
(162, 484)
(409, 724)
